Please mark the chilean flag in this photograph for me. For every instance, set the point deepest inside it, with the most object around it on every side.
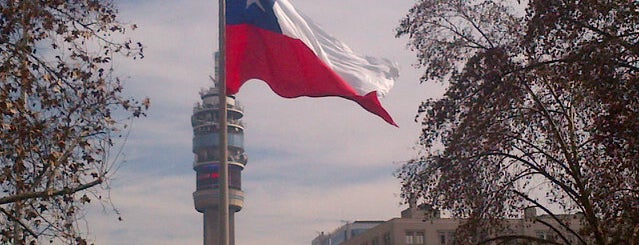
(271, 41)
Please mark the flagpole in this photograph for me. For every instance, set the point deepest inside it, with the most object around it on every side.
(223, 170)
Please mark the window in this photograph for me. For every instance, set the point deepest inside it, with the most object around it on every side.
(356, 232)
(547, 235)
(409, 237)
(387, 238)
(206, 154)
(446, 237)
(418, 237)
(208, 177)
(338, 238)
(541, 235)
(235, 177)
(375, 241)
(415, 237)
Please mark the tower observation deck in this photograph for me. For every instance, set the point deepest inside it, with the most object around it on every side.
(206, 128)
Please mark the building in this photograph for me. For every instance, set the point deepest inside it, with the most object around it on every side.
(206, 128)
(423, 225)
(345, 232)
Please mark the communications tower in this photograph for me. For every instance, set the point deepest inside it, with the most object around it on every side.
(206, 128)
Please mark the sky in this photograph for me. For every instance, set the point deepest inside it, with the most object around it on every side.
(314, 164)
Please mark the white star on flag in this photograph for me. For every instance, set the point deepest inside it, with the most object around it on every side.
(251, 2)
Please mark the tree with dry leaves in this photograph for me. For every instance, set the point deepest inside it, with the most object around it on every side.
(541, 110)
(61, 109)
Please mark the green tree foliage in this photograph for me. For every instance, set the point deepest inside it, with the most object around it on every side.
(541, 110)
(60, 108)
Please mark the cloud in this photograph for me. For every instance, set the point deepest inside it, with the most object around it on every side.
(155, 210)
(296, 214)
